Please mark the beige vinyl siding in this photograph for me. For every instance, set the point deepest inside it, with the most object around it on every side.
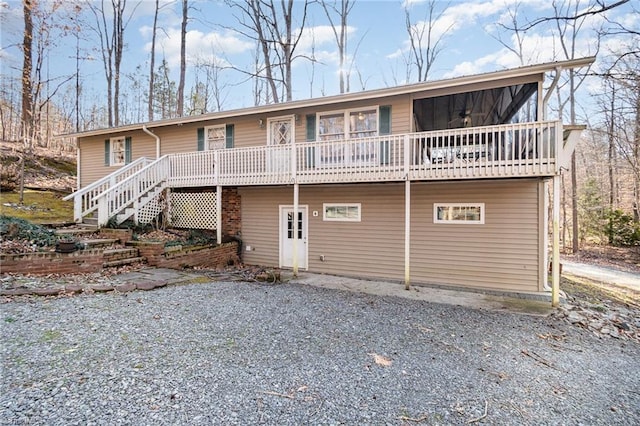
(247, 132)
(504, 253)
(370, 248)
(92, 154)
(501, 254)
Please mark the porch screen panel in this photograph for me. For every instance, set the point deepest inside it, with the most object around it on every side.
(195, 210)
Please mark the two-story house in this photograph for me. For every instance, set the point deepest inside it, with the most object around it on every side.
(441, 182)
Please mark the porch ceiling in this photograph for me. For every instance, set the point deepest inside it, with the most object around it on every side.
(475, 108)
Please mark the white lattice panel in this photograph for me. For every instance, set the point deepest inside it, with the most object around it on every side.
(195, 210)
(150, 211)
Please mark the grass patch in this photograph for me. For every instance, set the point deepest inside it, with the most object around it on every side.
(38, 206)
(595, 292)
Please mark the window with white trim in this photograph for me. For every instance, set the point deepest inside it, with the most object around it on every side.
(341, 212)
(215, 137)
(348, 124)
(118, 151)
(351, 125)
(459, 213)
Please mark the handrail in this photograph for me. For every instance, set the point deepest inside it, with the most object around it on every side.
(131, 190)
(108, 177)
(82, 199)
(130, 178)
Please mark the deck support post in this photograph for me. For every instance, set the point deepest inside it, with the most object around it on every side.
(555, 266)
(407, 233)
(296, 190)
(219, 214)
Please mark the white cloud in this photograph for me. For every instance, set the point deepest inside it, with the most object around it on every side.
(210, 46)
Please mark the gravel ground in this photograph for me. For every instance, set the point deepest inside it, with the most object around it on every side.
(237, 353)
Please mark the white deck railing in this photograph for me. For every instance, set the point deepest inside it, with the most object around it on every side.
(509, 150)
(84, 202)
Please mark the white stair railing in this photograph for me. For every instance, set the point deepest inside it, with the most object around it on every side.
(84, 202)
(130, 193)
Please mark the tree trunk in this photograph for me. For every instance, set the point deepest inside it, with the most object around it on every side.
(27, 89)
(153, 60)
(183, 62)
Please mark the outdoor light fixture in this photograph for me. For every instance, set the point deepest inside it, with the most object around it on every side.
(261, 123)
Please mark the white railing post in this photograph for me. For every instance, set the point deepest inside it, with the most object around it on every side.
(216, 167)
(407, 155)
(294, 163)
(77, 208)
(103, 214)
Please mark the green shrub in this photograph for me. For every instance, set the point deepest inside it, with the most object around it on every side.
(12, 228)
(621, 229)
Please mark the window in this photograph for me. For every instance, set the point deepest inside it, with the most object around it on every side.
(117, 151)
(215, 137)
(348, 125)
(352, 123)
(462, 213)
(341, 212)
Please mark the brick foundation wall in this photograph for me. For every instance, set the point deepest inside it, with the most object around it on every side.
(231, 219)
(44, 263)
(207, 257)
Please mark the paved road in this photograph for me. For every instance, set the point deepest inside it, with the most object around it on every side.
(604, 274)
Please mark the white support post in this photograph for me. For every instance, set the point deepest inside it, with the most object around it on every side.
(407, 234)
(555, 269)
(219, 214)
(295, 228)
(103, 215)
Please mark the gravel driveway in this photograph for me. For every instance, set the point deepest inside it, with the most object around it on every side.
(236, 353)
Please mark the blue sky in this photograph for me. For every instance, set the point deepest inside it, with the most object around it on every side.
(376, 28)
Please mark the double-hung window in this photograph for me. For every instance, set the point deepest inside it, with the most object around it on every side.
(349, 127)
(117, 151)
(215, 137)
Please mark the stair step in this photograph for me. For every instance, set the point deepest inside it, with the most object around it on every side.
(102, 242)
(75, 231)
(122, 253)
(121, 262)
(89, 221)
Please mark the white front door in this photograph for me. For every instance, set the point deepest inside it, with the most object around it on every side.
(287, 236)
(281, 136)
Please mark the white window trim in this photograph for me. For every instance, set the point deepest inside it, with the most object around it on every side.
(282, 118)
(112, 156)
(206, 133)
(339, 219)
(346, 113)
(459, 222)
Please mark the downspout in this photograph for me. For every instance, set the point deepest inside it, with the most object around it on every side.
(157, 138)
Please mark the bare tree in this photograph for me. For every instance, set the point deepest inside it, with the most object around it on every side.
(270, 25)
(111, 37)
(26, 119)
(426, 41)
(152, 61)
(183, 61)
(340, 32)
(568, 30)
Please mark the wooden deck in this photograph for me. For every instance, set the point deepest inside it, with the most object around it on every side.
(515, 150)
(504, 151)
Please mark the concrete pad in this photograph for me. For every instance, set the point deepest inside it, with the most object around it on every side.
(468, 299)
